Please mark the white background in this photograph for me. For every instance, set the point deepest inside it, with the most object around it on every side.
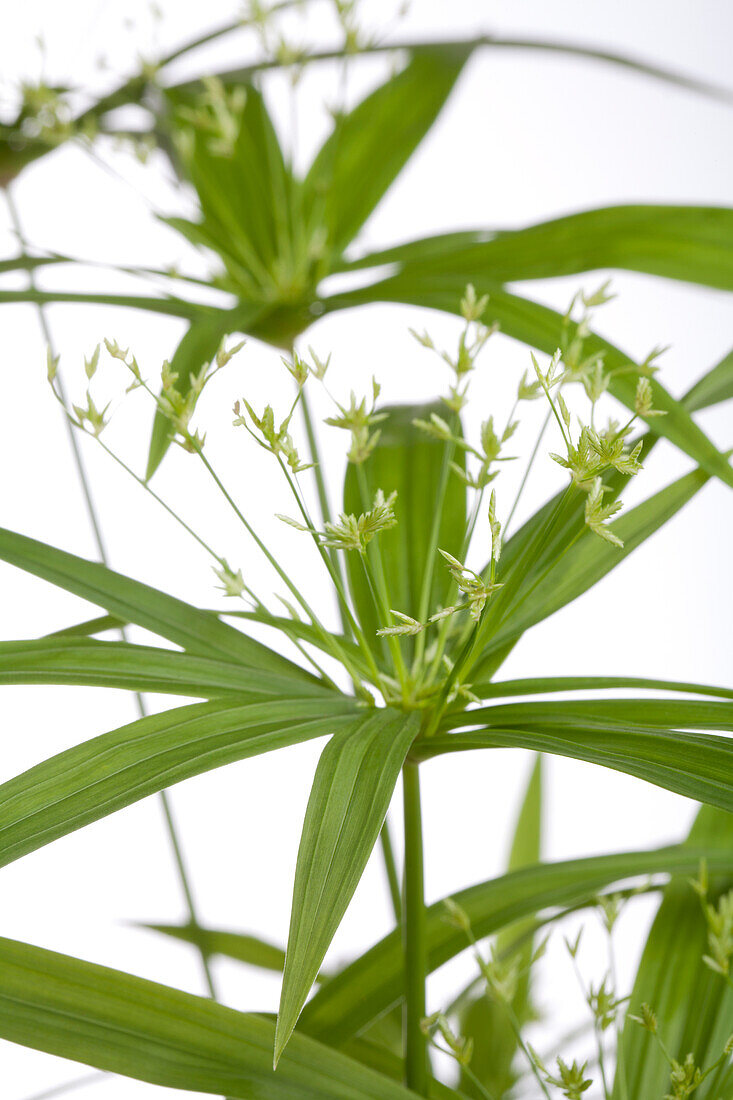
(525, 136)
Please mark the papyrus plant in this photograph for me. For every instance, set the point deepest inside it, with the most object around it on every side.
(411, 673)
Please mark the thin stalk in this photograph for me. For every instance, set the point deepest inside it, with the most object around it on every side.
(374, 570)
(335, 577)
(332, 645)
(692, 84)
(390, 866)
(528, 470)
(68, 1086)
(322, 493)
(414, 936)
(514, 607)
(392, 643)
(183, 874)
(517, 573)
(466, 1069)
(427, 579)
(257, 602)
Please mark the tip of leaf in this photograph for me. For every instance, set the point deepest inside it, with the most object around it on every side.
(282, 1035)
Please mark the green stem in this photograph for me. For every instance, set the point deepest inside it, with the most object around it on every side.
(414, 936)
(374, 569)
(337, 583)
(527, 472)
(330, 642)
(390, 866)
(427, 580)
(68, 1086)
(322, 496)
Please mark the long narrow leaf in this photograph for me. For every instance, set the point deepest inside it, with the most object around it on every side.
(694, 1006)
(96, 778)
(351, 793)
(415, 466)
(545, 685)
(591, 558)
(172, 307)
(371, 145)
(232, 945)
(197, 631)
(699, 766)
(694, 714)
(713, 388)
(138, 668)
(374, 982)
(130, 1026)
(692, 243)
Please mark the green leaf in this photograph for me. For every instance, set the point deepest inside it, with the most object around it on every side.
(140, 1029)
(691, 243)
(295, 629)
(713, 387)
(546, 685)
(370, 146)
(374, 982)
(171, 307)
(415, 465)
(30, 263)
(542, 328)
(695, 714)
(239, 946)
(351, 792)
(91, 780)
(699, 766)
(232, 945)
(587, 561)
(484, 1020)
(197, 631)
(99, 625)
(138, 668)
(245, 193)
(694, 1006)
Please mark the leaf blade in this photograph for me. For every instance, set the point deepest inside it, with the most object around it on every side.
(699, 766)
(150, 1032)
(410, 463)
(689, 243)
(197, 631)
(136, 668)
(693, 1005)
(370, 146)
(373, 983)
(109, 772)
(351, 793)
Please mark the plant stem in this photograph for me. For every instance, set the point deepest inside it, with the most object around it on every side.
(414, 936)
(390, 866)
(183, 875)
(322, 495)
(69, 1086)
(427, 579)
(347, 617)
(329, 640)
(527, 472)
(377, 580)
